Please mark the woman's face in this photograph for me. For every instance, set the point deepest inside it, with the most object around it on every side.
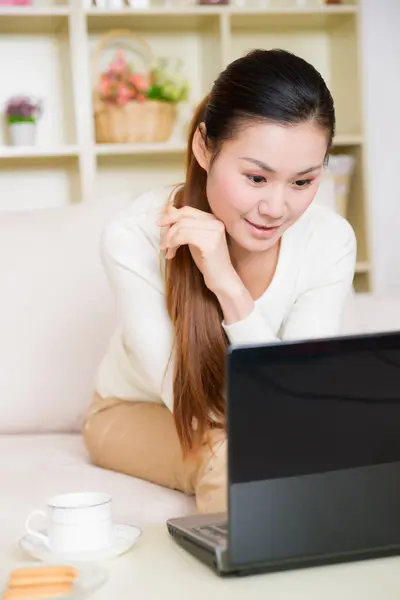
(264, 179)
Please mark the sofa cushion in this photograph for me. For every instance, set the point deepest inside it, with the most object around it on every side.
(34, 467)
(56, 315)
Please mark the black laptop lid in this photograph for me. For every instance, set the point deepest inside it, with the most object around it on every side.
(314, 445)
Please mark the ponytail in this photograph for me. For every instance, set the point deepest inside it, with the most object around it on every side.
(199, 340)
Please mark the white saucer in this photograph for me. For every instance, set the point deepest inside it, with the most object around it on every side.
(90, 579)
(124, 538)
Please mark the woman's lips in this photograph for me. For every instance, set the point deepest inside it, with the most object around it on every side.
(261, 231)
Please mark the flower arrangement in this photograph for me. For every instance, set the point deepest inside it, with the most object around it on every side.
(22, 109)
(132, 103)
(121, 84)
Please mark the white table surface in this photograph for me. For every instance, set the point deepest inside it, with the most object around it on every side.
(157, 568)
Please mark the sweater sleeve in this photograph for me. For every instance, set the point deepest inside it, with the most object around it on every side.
(131, 257)
(327, 275)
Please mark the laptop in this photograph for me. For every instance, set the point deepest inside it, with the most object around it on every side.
(313, 457)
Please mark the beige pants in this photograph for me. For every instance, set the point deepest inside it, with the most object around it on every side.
(140, 439)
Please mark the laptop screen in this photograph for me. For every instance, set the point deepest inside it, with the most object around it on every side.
(311, 407)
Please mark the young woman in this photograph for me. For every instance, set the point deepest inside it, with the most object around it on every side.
(236, 254)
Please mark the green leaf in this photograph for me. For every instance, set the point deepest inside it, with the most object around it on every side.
(19, 119)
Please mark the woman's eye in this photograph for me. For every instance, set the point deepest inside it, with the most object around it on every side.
(256, 178)
(302, 183)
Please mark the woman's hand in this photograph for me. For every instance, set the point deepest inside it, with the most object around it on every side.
(205, 235)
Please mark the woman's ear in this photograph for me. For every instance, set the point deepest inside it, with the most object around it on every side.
(199, 148)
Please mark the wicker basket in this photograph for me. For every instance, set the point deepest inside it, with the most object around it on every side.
(149, 121)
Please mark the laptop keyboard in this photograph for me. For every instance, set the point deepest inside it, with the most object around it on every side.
(217, 533)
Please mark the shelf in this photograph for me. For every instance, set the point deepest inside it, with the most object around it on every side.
(348, 140)
(35, 154)
(33, 20)
(180, 147)
(37, 151)
(291, 18)
(362, 267)
(204, 16)
(154, 19)
(140, 149)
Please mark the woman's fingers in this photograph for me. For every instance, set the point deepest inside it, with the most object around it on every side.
(189, 231)
(176, 214)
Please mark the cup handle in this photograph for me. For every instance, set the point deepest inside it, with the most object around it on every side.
(29, 529)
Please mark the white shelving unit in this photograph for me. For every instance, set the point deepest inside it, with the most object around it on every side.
(52, 45)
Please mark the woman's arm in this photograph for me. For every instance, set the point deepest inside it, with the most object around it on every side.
(132, 262)
(329, 271)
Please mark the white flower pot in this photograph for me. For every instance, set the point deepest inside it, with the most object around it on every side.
(22, 134)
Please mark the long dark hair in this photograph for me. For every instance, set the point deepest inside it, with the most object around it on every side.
(272, 85)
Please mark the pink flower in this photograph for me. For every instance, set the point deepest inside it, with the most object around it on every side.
(22, 106)
(104, 86)
(119, 64)
(140, 82)
(123, 95)
(119, 84)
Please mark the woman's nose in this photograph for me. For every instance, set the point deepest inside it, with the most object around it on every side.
(273, 205)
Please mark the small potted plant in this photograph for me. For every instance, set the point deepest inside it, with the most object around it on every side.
(22, 114)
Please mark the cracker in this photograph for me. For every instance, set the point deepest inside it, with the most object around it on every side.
(37, 591)
(40, 582)
(14, 582)
(45, 571)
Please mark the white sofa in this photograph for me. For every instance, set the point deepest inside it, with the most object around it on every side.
(56, 317)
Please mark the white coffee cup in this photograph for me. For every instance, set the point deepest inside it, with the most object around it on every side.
(76, 522)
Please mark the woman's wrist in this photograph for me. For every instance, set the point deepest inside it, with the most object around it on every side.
(235, 300)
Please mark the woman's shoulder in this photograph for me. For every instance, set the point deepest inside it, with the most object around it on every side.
(322, 228)
(146, 205)
(322, 248)
(137, 221)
